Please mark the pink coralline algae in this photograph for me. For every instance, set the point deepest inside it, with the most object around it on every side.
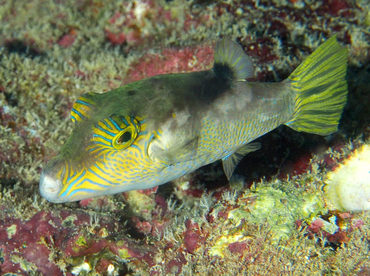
(22, 240)
(134, 26)
(67, 40)
(193, 236)
(237, 247)
(172, 61)
(39, 243)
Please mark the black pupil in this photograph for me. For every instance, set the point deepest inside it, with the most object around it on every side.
(125, 137)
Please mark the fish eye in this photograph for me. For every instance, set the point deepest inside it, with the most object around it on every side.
(118, 132)
(125, 137)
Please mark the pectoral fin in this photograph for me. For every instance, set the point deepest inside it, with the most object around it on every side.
(175, 153)
(229, 162)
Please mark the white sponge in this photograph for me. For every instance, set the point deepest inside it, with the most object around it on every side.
(348, 186)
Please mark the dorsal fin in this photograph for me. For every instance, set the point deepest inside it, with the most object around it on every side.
(229, 55)
(82, 106)
(229, 162)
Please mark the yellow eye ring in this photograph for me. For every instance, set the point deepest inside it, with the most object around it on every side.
(125, 138)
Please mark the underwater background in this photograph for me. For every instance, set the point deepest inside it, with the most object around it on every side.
(273, 217)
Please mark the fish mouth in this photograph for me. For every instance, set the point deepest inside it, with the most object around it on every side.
(50, 188)
(51, 182)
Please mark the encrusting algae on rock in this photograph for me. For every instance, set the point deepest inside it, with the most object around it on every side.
(152, 131)
(278, 210)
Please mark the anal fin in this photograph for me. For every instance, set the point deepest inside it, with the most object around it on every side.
(229, 162)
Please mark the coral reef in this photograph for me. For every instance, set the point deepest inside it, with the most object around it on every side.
(271, 218)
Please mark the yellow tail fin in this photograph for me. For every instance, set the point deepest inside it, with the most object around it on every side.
(321, 89)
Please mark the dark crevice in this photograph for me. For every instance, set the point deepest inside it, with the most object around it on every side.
(22, 48)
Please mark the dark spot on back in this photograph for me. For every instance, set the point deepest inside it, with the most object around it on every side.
(213, 88)
(224, 72)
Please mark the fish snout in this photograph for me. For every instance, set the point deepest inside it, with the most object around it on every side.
(51, 181)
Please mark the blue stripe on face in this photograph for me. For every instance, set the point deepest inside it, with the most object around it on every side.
(69, 177)
(102, 137)
(136, 147)
(92, 191)
(111, 159)
(104, 163)
(73, 183)
(100, 169)
(107, 125)
(78, 113)
(83, 103)
(115, 124)
(106, 131)
(147, 142)
(98, 176)
(158, 134)
(92, 149)
(124, 120)
(97, 150)
(89, 191)
(100, 143)
(92, 183)
(67, 172)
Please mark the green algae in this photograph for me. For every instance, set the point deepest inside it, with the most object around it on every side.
(123, 253)
(11, 230)
(69, 221)
(266, 205)
(221, 245)
(278, 209)
(81, 241)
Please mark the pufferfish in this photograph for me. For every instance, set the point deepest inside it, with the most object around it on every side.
(152, 131)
